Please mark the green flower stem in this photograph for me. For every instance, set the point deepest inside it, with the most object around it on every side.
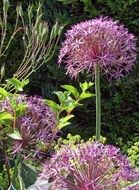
(98, 101)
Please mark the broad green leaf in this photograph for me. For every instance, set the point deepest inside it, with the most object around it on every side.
(3, 92)
(53, 105)
(70, 107)
(86, 95)
(64, 121)
(61, 125)
(84, 86)
(15, 135)
(18, 85)
(61, 96)
(29, 174)
(68, 104)
(20, 109)
(22, 185)
(69, 101)
(72, 90)
(5, 116)
(15, 83)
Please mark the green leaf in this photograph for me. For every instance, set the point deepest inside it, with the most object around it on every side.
(61, 96)
(68, 104)
(22, 185)
(61, 125)
(4, 116)
(69, 101)
(64, 121)
(15, 135)
(20, 109)
(53, 105)
(84, 86)
(3, 92)
(18, 85)
(71, 90)
(15, 83)
(86, 95)
(71, 106)
(24, 82)
(5, 119)
(28, 174)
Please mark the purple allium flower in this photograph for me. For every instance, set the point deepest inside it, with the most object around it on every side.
(98, 41)
(89, 166)
(36, 126)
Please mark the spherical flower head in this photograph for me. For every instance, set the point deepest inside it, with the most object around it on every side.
(89, 166)
(36, 125)
(99, 41)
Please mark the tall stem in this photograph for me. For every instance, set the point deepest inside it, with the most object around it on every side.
(98, 101)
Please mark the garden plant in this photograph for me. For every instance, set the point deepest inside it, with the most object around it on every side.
(35, 150)
(95, 45)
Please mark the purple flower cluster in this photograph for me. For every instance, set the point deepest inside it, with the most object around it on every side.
(98, 41)
(89, 166)
(36, 126)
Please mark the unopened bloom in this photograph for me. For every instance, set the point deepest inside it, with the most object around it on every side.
(89, 166)
(98, 41)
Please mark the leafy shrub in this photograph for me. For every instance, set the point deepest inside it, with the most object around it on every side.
(73, 140)
(133, 153)
(3, 178)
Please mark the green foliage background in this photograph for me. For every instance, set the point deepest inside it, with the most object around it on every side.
(120, 100)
